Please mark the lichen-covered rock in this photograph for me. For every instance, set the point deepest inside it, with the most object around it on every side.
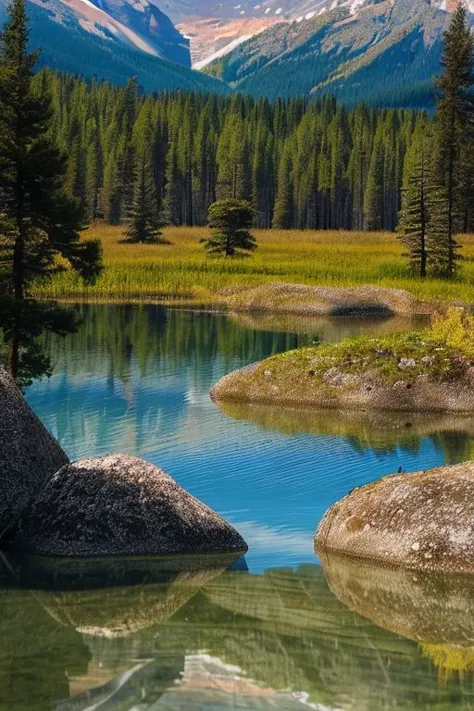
(121, 505)
(423, 520)
(405, 373)
(29, 455)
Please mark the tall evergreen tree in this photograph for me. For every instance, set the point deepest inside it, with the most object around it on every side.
(455, 122)
(38, 220)
(145, 225)
(284, 205)
(414, 215)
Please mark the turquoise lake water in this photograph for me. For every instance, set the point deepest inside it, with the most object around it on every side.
(136, 379)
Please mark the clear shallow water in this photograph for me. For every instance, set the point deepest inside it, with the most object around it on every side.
(136, 379)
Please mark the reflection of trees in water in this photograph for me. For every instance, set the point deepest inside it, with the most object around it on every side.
(22, 325)
(33, 339)
(147, 334)
(382, 432)
(284, 629)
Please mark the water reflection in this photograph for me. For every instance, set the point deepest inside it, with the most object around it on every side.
(136, 379)
(276, 640)
(366, 430)
(435, 610)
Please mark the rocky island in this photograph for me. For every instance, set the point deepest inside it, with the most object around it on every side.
(426, 371)
(422, 520)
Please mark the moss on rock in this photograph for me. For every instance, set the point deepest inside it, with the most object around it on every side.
(425, 371)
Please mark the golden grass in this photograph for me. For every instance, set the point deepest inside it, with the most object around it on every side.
(183, 270)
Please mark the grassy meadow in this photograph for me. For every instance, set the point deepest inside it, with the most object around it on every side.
(182, 269)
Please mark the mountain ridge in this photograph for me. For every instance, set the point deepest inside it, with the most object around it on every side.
(382, 47)
(99, 50)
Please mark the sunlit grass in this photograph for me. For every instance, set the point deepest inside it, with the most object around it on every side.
(183, 270)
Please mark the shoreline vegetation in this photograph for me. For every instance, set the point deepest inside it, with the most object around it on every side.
(182, 272)
(426, 371)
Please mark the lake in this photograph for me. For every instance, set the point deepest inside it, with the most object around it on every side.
(136, 379)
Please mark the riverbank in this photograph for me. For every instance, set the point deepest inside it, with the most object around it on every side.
(182, 272)
(427, 371)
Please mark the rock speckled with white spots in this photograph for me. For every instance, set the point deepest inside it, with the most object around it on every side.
(121, 505)
(29, 455)
(423, 520)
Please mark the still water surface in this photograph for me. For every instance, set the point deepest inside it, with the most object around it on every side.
(136, 379)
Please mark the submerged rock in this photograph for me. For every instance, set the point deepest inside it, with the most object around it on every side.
(121, 505)
(423, 520)
(29, 455)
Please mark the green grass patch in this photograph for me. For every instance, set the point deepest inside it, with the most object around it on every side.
(182, 269)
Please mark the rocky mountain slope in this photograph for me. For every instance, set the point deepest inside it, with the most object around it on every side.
(216, 27)
(382, 51)
(114, 40)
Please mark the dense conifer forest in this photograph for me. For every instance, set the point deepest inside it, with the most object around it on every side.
(302, 164)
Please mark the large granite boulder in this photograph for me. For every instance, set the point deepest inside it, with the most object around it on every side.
(29, 455)
(423, 520)
(121, 505)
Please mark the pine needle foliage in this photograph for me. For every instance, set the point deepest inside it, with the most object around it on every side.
(39, 220)
(230, 221)
(144, 222)
(455, 127)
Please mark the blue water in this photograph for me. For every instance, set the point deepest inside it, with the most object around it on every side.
(281, 636)
(136, 379)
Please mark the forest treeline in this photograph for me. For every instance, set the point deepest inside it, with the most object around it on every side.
(304, 165)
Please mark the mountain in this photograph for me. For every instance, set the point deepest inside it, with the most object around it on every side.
(385, 52)
(114, 40)
(216, 27)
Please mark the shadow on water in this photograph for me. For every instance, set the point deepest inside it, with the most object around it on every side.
(213, 638)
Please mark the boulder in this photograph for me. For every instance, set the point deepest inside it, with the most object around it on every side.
(120, 505)
(29, 455)
(423, 520)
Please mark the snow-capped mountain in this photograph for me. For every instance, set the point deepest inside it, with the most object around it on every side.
(113, 40)
(137, 24)
(382, 51)
(216, 27)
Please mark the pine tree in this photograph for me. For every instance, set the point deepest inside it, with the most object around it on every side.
(38, 220)
(438, 248)
(455, 118)
(230, 221)
(145, 225)
(414, 215)
(172, 200)
(374, 191)
(283, 215)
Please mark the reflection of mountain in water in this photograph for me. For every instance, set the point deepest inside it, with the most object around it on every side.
(276, 640)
